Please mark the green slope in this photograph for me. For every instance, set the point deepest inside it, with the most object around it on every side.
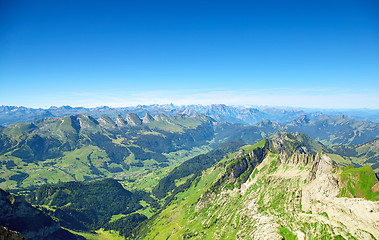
(359, 182)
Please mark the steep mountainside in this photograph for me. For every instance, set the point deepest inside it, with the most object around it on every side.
(281, 188)
(80, 147)
(18, 215)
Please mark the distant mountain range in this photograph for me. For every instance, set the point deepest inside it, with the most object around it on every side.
(219, 112)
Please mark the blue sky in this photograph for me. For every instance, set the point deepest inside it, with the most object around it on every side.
(118, 53)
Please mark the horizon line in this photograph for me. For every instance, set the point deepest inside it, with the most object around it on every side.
(202, 105)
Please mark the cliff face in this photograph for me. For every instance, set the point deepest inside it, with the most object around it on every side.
(319, 196)
(6, 234)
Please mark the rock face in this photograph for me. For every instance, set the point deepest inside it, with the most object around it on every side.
(120, 122)
(320, 196)
(148, 118)
(242, 163)
(133, 120)
(106, 122)
(6, 234)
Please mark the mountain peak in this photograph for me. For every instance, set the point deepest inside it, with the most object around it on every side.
(106, 122)
(148, 118)
(120, 122)
(303, 119)
(133, 120)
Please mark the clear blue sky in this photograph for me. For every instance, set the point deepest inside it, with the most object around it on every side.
(120, 53)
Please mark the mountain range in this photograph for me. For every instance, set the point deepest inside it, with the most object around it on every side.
(219, 112)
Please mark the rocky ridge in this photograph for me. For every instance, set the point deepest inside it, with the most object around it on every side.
(6, 234)
(280, 189)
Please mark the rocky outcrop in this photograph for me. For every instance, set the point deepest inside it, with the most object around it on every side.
(242, 164)
(6, 234)
(106, 122)
(148, 118)
(133, 120)
(320, 196)
(291, 193)
(120, 122)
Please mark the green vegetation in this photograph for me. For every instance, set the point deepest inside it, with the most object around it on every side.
(178, 186)
(99, 234)
(338, 237)
(126, 225)
(18, 215)
(287, 234)
(358, 182)
(193, 166)
(80, 148)
(250, 148)
(89, 205)
(324, 214)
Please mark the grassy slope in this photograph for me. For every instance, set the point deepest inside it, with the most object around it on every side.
(73, 166)
(358, 182)
(175, 216)
(99, 235)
